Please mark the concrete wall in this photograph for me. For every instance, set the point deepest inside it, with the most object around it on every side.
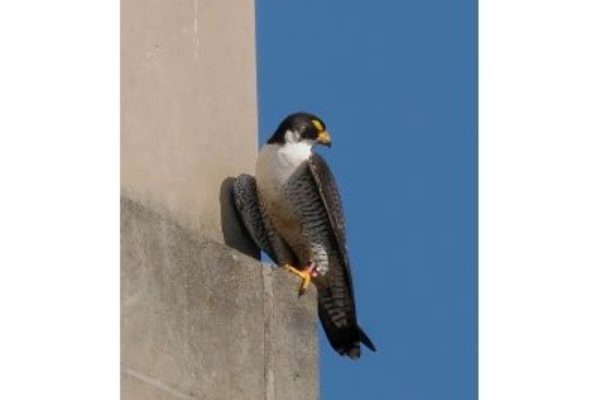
(199, 318)
(188, 104)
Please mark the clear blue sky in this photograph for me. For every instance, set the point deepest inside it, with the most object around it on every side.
(396, 84)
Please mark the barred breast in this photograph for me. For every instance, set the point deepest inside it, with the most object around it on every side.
(313, 240)
(291, 200)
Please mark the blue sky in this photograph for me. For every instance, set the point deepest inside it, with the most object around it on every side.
(396, 84)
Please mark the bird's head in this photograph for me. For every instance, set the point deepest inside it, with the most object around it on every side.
(301, 127)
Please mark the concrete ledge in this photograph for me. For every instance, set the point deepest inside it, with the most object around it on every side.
(200, 320)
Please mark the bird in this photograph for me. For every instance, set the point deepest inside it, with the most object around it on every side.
(292, 210)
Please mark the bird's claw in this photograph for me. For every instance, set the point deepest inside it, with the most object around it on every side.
(306, 275)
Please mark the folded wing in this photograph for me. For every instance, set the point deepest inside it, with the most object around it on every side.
(336, 294)
(245, 198)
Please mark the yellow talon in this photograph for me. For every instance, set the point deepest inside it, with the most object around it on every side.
(304, 275)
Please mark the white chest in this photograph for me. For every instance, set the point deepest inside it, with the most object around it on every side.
(276, 164)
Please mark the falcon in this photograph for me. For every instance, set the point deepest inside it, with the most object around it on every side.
(292, 210)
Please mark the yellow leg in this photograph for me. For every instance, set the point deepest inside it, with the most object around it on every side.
(304, 275)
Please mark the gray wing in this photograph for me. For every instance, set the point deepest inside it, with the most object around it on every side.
(345, 339)
(246, 202)
(332, 201)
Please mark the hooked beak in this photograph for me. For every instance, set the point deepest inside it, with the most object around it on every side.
(324, 139)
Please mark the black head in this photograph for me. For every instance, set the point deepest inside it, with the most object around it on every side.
(299, 127)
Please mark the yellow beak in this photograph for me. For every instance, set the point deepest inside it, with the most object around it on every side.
(324, 139)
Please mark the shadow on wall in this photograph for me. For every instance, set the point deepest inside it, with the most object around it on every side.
(234, 233)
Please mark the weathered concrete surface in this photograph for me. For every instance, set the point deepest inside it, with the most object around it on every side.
(188, 105)
(200, 320)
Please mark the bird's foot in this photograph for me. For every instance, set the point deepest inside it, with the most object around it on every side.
(306, 275)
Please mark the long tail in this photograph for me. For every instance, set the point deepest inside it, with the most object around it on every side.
(341, 329)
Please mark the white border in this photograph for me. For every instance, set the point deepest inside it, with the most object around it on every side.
(539, 200)
(59, 220)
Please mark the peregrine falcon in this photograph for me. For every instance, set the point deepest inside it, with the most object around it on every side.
(293, 211)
